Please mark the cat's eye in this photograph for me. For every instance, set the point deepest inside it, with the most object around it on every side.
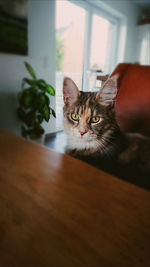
(75, 116)
(95, 119)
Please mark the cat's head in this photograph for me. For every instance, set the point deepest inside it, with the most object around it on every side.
(89, 117)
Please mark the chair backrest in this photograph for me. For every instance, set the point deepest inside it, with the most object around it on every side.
(133, 98)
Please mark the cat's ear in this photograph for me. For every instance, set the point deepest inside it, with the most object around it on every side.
(70, 91)
(108, 92)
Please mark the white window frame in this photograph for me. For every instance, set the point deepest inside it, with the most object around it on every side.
(93, 7)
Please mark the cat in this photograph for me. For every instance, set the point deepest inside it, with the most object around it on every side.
(94, 135)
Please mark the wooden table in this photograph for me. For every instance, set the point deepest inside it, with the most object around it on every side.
(58, 211)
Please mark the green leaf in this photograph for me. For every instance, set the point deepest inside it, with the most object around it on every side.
(27, 100)
(47, 100)
(50, 90)
(30, 70)
(19, 95)
(41, 102)
(42, 98)
(30, 118)
(53, 112)
(46, 113)
(40, 118)
(41, 82)
(28, 81)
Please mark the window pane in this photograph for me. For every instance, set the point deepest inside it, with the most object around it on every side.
(70, 24)
(100, 47)
(99, 44)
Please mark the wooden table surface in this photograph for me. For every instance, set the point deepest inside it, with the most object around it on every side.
(58, 211)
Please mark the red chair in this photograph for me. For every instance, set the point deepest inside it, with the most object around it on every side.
(133, 98)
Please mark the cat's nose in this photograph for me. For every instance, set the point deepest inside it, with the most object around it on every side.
(82, 132)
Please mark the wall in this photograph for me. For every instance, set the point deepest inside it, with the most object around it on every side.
(41, 38)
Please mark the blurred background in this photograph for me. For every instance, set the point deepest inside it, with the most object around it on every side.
(77, 38)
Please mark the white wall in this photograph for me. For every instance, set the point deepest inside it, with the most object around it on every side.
(41, 38)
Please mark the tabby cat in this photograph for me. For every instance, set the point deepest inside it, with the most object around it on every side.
(94, 135)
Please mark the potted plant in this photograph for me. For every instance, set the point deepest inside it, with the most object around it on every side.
(34, 105)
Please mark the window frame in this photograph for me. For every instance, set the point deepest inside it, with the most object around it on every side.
(91, 9)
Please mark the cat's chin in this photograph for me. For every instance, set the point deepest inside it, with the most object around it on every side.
(83, 144)
(81, 139)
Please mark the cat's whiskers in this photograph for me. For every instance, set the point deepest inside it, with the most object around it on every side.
(103, 147)
(107, 139)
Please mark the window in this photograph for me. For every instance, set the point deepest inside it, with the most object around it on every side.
(70, 26)
(99, 44)
(101, 47)
(84, 47)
